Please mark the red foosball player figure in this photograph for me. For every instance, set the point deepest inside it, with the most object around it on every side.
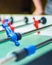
(9, 24)
(36, 24)
(11, 27)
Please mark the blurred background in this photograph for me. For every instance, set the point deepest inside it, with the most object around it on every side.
(18, 6)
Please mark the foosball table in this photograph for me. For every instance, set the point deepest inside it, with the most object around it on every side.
(25, 40)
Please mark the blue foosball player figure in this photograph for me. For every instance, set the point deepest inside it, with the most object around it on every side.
(10, 33)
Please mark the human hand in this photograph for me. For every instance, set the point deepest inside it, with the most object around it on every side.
(37, 12)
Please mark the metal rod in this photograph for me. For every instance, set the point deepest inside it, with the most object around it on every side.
(13, 21)
(28, 33)
(36, 30)
(44, 43)
(17, 26)
(7, 58)
(11, 56)
(24, 19)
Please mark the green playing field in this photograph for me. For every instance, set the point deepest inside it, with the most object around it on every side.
(8, 46)
(32, 39)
